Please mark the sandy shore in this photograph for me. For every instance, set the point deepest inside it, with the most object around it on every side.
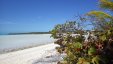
(30, 56)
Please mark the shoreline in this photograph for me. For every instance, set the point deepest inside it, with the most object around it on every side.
(26, 56)
(4, 51)
(10, 43)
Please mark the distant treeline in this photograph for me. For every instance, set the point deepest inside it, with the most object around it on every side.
(29, 33)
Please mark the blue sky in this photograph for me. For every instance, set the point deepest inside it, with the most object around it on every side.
(40, 15)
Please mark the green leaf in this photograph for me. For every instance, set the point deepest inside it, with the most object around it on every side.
(96, 60)
(106, 4)
(99, 14)
(92, 51)
(78, 45)
(109, 32)
(70, 55)
(103, 37)
(82, 61)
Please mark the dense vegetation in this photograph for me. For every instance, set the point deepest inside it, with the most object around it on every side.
(97, 47)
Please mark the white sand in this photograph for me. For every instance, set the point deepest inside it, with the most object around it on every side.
(26, 56)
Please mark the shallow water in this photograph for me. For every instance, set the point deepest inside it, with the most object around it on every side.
(18, 41)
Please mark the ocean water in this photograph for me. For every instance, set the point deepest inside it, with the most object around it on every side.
(19, 41)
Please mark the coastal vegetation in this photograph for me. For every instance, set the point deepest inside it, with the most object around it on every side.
(87, 47)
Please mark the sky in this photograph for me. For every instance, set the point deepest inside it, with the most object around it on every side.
(40, 15)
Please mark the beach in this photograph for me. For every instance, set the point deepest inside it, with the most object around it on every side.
(32, 55)
(9, 43)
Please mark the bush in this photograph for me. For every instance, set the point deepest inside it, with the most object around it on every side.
(97, 50)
